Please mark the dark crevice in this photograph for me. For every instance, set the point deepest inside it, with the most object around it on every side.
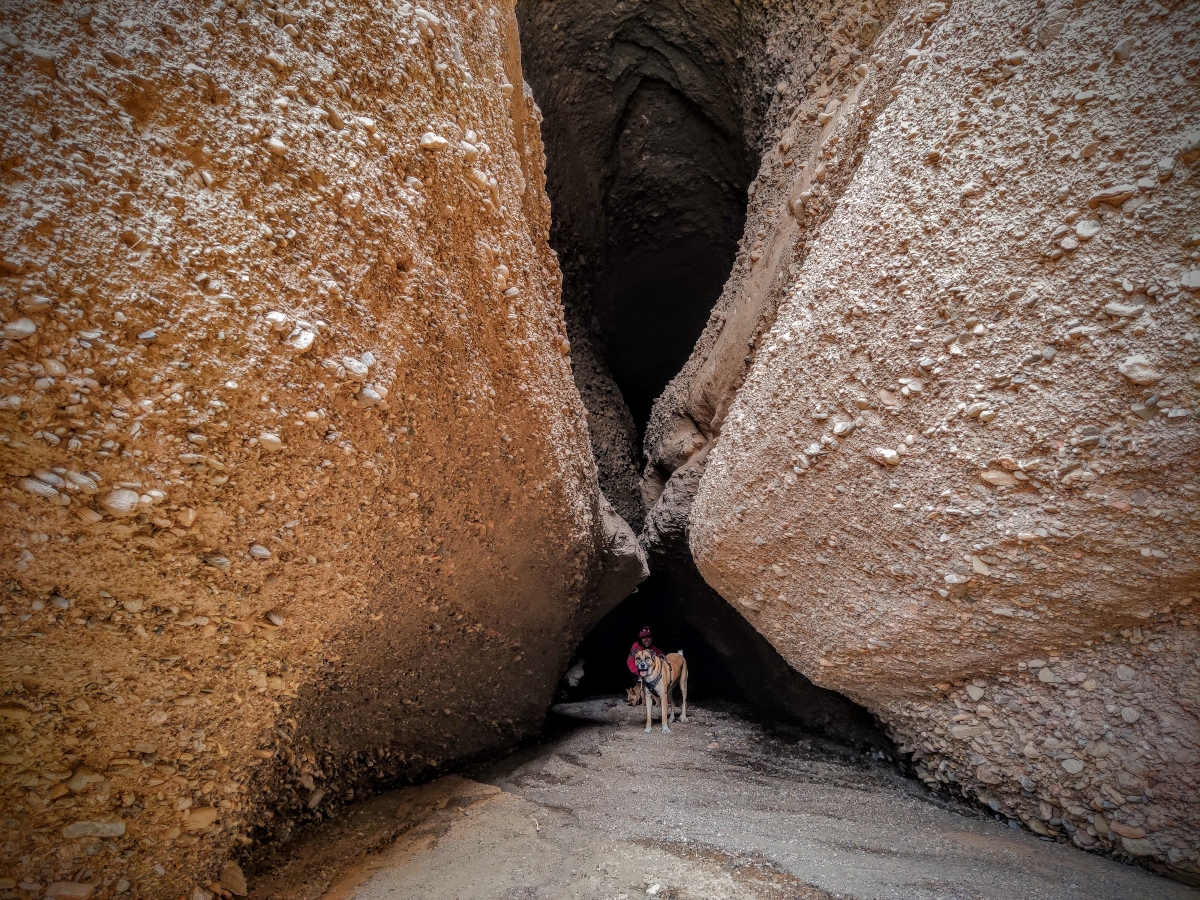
(658, 605)
(648, 163)
(651, 114)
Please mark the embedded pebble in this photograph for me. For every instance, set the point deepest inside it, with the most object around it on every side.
(69, 890)
(432, 141)
(302, 340)
(233, 880)
(269, 441)
(1138, 369)
(121, 503)
(94, 829)
(886, 455)
(1123, 310)
(20, 329)
(998, 477)
(368, 397)
(354, 367)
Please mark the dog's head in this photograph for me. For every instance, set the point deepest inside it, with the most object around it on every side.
(644, 660)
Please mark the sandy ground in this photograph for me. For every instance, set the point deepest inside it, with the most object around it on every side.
(719, 808)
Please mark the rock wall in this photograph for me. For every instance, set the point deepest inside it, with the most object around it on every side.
(945, 408)
(297, 493)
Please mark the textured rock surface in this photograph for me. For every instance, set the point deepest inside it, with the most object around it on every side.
(298, 496)
(958, 484)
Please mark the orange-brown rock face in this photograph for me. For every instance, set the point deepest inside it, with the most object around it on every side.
(298, 495)
(959, 482)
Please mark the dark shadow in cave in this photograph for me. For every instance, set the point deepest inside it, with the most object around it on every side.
(657, 605)
(647, 169)
(727, 660)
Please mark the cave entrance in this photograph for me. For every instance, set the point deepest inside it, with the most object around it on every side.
(727, 660)
(656, 604)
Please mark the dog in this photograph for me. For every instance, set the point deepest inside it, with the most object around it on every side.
(636, 695)
(660, 677)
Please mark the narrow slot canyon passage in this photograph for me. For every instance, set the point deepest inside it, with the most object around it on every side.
(652, 132)
(372, 373)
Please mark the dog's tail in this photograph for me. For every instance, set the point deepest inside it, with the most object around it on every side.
(681, 653)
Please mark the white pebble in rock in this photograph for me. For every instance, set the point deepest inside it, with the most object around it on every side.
(431, 141)
(355, 368)
(270, 441)
(368, 397)
(1138, 369)
(19, 329)
(886, 455)
(258, 551)
(1123, 310)
(1073, 766)
(302, 340)
(121, 503)
(998, 477)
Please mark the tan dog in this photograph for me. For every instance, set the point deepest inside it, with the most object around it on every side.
(660, 676)
(636, 695)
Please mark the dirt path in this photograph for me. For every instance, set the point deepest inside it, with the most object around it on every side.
(717, 809)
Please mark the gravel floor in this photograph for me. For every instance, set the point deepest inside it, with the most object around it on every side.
(718, 808)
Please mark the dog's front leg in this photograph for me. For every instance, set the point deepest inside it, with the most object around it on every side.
(648, 699)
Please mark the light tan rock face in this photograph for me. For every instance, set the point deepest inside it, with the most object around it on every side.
(959, 481)
(297, 490)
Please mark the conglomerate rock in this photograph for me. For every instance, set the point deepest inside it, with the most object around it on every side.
(297, 491)
(958, 483)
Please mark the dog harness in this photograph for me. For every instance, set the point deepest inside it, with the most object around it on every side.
(663, 664)
(653, 684)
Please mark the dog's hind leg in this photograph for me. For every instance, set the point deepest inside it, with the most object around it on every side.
(683, 691)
